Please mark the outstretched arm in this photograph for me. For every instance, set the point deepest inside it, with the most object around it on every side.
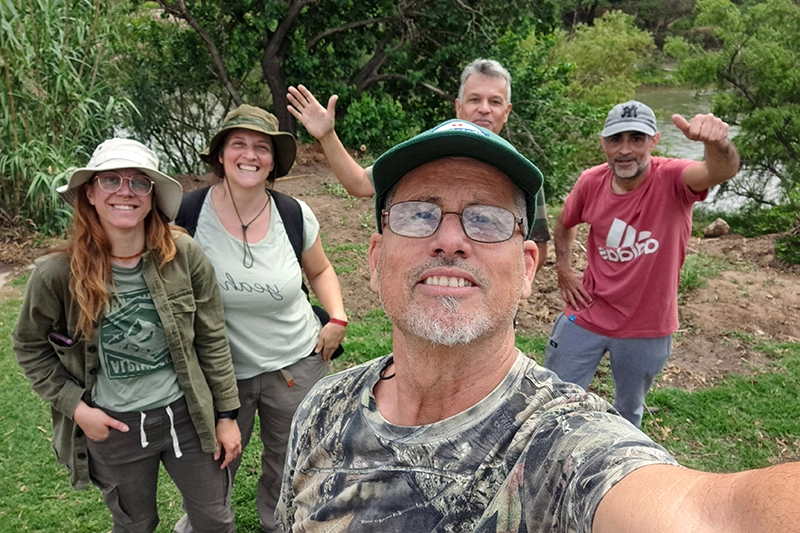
(721, 158)
(319, 121)
(671, 499)
(569, 280)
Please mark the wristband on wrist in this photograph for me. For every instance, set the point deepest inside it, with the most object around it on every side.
(339, 322)
(228, 414)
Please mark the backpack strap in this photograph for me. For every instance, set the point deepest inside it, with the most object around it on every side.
(292, 216)
(189, 212)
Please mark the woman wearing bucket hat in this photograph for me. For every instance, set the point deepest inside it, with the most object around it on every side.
(279, 346)
(122, 332)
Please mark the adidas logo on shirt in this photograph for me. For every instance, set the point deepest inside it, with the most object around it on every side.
(624, 243)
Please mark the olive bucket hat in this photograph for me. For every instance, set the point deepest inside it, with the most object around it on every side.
(116, 154)
(256, 119)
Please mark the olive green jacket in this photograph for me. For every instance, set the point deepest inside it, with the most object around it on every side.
(187, 299)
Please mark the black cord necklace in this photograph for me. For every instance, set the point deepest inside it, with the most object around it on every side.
(390, 376)
(248, 253)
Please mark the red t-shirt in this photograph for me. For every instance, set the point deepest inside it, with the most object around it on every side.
(635, 250)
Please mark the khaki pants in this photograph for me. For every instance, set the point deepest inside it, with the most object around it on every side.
(270, 395)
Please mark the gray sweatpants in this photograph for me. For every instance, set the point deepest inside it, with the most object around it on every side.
(125, 468)
(574, 353)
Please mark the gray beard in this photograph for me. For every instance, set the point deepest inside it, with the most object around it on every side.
(447, 328)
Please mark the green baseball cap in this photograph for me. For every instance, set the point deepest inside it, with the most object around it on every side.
(456, 138)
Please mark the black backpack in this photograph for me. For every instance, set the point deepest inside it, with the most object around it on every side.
(291, 214)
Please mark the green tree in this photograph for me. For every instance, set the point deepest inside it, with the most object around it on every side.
(756, 75)
(179, 101)
(57, 101)
(394, 65)
(555, 131)
(606, 57)
(657, 16)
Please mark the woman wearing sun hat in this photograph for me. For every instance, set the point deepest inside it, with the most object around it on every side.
(121, 331)
(279, 347)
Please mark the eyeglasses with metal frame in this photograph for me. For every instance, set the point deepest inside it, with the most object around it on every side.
(481, 223)
(111, 182)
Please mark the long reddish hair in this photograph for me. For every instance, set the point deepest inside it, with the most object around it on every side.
(89, 249)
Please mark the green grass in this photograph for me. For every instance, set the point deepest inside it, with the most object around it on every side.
(336, 190)
(347, 257)
(741, 422)
(365, 340)
(697, 269)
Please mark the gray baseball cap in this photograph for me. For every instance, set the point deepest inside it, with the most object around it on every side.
(456, 138)
(630, 116)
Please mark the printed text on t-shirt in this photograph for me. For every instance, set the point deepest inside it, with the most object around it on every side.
(231, 284)
(623, 244)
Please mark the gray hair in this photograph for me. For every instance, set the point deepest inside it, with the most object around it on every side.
(489, 68)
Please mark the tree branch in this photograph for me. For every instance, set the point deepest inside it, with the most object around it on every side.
(274, 54)
(353, 25)
(178, 8)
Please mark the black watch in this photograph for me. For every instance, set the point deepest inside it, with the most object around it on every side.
(228, 414)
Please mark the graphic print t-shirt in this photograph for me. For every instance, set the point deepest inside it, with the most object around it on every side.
(269, 320)
(136, 372)
(635, 250)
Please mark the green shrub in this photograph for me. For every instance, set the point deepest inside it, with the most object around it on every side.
(788, 249)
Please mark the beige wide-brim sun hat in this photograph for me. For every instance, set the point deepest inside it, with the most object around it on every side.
(116, 154)
(252, 118)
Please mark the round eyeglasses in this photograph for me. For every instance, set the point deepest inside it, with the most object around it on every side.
(481, 223)
(111, 182)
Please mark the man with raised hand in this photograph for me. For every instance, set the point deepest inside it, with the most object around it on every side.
(639, 208)
(456, 429)
(484, 98)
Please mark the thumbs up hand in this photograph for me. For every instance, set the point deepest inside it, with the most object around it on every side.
(702, 128)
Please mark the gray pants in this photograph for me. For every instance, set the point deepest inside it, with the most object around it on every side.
(270, 395)
(125, 468)
(574, 353)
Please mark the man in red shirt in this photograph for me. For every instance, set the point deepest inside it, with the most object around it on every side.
(640, 212)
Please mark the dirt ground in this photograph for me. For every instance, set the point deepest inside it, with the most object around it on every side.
(756, 299)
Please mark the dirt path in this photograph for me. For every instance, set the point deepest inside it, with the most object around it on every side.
(753, 300)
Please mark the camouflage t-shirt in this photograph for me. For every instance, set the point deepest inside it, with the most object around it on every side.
(536, 454)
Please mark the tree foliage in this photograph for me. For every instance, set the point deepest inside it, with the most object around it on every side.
(395, 66)
(57, 99)
(756, 73)
(179, 101)
(656, 16)
(606, 57)
(555, 131)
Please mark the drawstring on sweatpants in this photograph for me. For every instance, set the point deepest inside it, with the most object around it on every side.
(142, 434)
(174, 435)
(175, 445)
